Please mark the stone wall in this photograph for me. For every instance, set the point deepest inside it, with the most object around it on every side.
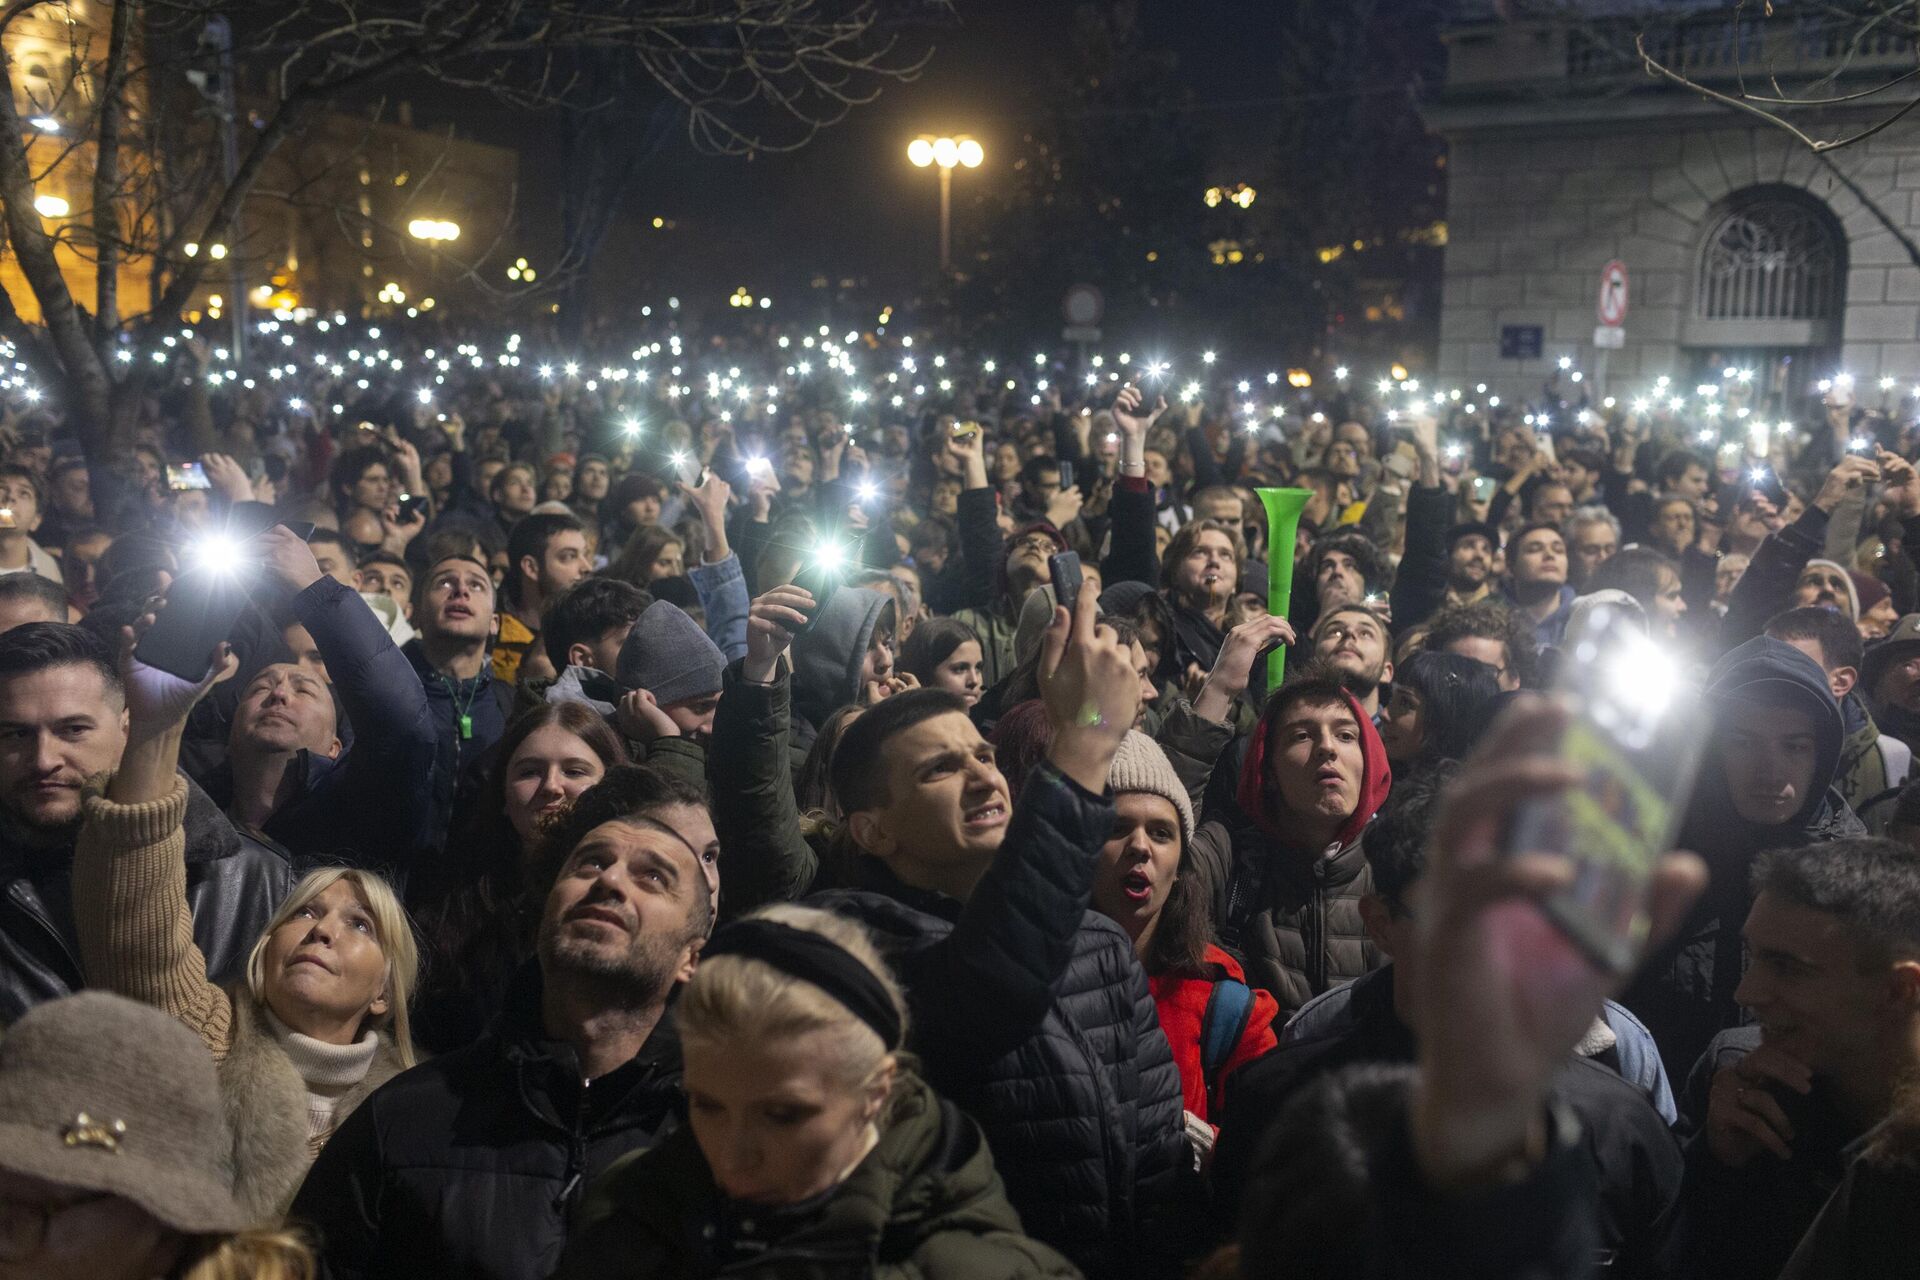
(1537, 209)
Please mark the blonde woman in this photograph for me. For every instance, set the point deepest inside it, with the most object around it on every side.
(321, 1019)
(811, 1148)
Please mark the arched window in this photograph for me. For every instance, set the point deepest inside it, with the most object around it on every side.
(1772, 254)
(1769, 285)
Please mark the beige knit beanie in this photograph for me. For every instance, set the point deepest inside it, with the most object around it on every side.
(1140, 765)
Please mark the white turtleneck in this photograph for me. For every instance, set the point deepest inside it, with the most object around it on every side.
(329, 1071)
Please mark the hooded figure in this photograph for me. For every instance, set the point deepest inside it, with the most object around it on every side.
(1684, 992)
(1292, 913)
(827, 660)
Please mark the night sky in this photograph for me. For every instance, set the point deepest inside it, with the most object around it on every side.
(849, 204)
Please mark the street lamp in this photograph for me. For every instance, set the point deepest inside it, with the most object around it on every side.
(433, 229)
(947, 153)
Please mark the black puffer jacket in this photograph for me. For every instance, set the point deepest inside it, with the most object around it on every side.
(1684, 992)
(1034, 1015)
(234, 885)
(473, 1165)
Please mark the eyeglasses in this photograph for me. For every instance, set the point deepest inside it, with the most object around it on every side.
(1035, 542)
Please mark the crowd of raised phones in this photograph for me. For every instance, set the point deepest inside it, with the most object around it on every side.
(655, 819)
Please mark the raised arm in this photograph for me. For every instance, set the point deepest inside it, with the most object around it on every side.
(1421, 583)
(1767, 585)
(718, 578)
(129, 872)
(763, 856)
(378, 797)
(1131, 556)
(998, 969)
(981, 546)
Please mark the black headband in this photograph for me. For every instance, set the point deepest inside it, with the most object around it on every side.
(815, 958)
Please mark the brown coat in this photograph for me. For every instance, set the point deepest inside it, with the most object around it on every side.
(136, 938)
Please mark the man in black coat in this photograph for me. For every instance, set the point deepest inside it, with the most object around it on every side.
(1776, 1112)
(63, 720)
(472, 1165)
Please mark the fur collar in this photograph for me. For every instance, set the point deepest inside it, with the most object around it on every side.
(266, 1106)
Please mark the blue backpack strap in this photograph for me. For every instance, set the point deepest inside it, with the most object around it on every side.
(1229, 1007)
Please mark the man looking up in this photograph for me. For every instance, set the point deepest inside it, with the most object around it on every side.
(453, 612)
(546, 554)
(1537, 559)
(475, 1163)
(1352, 640)
(1198, 576)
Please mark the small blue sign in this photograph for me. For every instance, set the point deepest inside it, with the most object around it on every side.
(1520, 341)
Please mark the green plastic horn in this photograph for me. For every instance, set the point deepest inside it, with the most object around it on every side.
(1283, 522)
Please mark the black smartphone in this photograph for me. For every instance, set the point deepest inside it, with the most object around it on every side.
(410, 505)
(1766, 482)
(202, 606)
(301, 529)
(820, 582)
(1064, 568)
(1066, 475)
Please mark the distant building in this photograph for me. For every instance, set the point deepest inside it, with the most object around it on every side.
(1743, 247)
(351, 213)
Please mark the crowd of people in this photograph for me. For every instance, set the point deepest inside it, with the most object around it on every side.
(655, 818)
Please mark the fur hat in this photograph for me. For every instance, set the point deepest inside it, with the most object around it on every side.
(1140, 765)
(102, 1094)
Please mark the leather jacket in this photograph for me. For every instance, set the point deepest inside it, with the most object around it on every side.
(234, 884)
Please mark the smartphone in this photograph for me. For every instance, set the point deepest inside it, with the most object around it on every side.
(202, 606)
(1635, 738)
(189, 475)
(1064, 568)
(1066, 475)
(1765, 481)
(410, 506)
(1483, 487)
(819, 581)
(965, 430)
(7, 520)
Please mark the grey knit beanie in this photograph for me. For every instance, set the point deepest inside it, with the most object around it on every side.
(1140, 765)
(669, 656)
(103, 1094)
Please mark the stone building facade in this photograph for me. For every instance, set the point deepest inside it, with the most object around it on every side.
(1743, 246)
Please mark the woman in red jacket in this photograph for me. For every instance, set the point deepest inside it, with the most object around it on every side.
(1212, 1019)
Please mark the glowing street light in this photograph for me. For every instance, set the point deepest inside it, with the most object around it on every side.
(948, 154)
(50, 206)
(433, 229)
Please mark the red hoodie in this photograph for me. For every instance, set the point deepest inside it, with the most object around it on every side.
(1254, 792)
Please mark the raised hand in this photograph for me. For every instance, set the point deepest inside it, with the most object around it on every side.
(969, 452)
(1233, 669)
(1902, 483)
(158, 701)
(1500, 994)
(1847, 478)
(228, 476)
(771, 620)
(287, 557)
(1090, 690)
(1128, 412)
(1064, 507)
